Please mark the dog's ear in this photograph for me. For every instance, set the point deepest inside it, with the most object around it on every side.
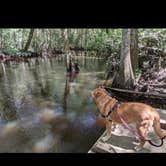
(97, 93)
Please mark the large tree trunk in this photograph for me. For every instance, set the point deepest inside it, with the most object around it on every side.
(29, 40)
(134, 49)
(125, 77)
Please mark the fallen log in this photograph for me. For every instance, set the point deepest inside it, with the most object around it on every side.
(137, 93)
(156, 100)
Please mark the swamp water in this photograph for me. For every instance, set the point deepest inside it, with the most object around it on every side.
(43, 110)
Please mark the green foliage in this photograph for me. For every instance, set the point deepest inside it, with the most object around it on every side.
(138, 72)
(11, 51)
(13, 40)
(158, 34)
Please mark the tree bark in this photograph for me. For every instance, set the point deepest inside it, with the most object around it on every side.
(29, 40)
(134, 49)
(125, 77)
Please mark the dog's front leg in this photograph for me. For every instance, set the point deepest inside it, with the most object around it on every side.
(108, 131)
(142, 131)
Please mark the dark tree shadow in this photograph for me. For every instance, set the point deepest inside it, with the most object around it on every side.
(71, 77)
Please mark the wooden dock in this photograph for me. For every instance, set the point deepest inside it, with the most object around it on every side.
(123, 141)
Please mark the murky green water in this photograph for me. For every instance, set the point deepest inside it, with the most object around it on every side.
(43, 110)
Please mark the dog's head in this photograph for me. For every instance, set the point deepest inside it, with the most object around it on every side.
(98, 92)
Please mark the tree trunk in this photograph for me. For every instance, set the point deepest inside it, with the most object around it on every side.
(22, 39)
(125, 78)
(134, 49)
(86, 36)
(81, 37)
(35, 43)
(66, 40)
(15, 40)
(107, 31)
(29, 40)
(50, 39)
(1, 39)
(66, 49)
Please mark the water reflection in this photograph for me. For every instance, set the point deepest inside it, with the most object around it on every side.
(44, 110)
(71, 82)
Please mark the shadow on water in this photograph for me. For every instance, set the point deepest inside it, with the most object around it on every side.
(44, 110)
(71, 82)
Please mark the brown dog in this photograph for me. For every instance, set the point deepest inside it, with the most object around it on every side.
(142, 115)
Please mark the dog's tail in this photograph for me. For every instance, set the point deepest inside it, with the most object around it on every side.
(157, 127)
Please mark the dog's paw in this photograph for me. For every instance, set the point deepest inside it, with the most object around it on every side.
(106, 138)
(113, 127)
(137, 141)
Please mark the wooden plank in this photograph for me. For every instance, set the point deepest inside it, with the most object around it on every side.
(114, 146)
(96, 149)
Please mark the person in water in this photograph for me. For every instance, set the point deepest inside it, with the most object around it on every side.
(76, 68)
(73, 68)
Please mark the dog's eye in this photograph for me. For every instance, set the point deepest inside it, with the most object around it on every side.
(97, 94)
